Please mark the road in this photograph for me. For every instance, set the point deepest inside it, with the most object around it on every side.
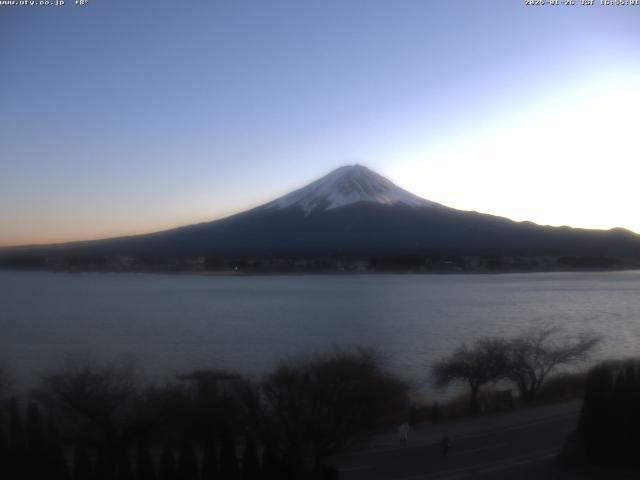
(479, 447)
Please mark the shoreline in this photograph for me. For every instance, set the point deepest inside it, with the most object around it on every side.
(337, 272)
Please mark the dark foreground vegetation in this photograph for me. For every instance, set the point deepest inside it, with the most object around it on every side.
(609, 427)
(101, 422)
(87, 422)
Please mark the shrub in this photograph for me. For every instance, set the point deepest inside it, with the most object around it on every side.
(609, 423)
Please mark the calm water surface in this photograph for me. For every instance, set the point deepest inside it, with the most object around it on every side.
(174, 323)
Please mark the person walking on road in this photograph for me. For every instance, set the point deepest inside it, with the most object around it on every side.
(445, 445)
(403, 433)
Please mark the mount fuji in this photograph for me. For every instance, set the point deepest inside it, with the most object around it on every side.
(345, 186)
(351, 213)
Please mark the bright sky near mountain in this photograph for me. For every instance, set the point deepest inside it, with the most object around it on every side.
(126, 117)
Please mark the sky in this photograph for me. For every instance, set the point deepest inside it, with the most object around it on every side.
(121, 117)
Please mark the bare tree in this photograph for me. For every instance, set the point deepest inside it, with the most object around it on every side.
(5, 382)
(476, 365)
(321, 405)
(97, 392)
(536, 353)
(95, 396)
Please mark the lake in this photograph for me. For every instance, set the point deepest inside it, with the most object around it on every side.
(176, 323)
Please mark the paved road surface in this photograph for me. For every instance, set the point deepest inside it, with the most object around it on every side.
(479, 446)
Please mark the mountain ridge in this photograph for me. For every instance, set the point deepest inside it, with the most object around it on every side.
(350, 213)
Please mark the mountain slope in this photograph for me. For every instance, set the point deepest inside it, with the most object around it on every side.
(345, 186)
(355, 212)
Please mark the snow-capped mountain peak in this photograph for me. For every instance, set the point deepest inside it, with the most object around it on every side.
(347, 185)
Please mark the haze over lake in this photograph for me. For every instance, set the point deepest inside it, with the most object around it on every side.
(175, 323)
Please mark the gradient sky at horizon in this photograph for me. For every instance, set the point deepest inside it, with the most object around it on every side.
(125, 117)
